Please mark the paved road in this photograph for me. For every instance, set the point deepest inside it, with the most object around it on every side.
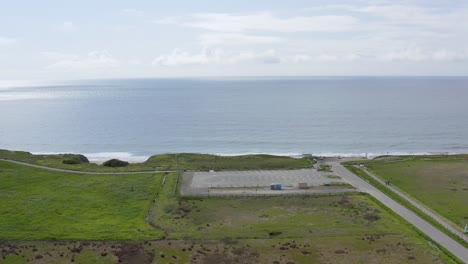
(83, 172)
(447, 242)
(419, 206)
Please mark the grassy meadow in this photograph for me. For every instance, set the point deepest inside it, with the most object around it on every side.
(39, 204)
(55, 217)
(303, 229)
(275, 217)
(439, 182)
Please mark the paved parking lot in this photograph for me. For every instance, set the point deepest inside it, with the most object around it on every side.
(258, 182)
(288, 178)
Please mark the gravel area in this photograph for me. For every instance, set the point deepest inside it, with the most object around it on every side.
(258, 182)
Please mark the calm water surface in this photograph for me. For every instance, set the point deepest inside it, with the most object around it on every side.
(335, 116)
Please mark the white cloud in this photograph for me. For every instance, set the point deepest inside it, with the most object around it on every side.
(414, 54)
(170, 20)
(59, 56)
(92, 60)
(223, 57)
(235, 39)
(68, 26)
(6, 40)
(370, 30)
(356, 36)
(445, 55)
(327, 57)
(134, 62)
(300, 58)
(216, 56)
(265, 21)
(132, 11)
(407, 54)
(404, 14)
(421, 23)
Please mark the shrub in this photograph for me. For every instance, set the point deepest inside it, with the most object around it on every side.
(115, 163)
(325, 167)
(74, 159)
(71, 161)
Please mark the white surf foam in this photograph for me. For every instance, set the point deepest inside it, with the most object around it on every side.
(338, 154)
(103, 156)
(375, 154)
(288, 154)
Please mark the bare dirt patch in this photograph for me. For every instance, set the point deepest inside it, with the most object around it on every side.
(134, 253)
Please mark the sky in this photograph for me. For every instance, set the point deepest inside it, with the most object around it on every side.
(69, 40)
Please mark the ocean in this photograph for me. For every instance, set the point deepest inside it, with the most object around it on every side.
(333, 116)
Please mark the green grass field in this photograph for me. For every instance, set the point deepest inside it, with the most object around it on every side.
(180, 161)
(206, 162)
(330, 223)
(279, 217)
(104, 216)
(39, 204)
(439, 182)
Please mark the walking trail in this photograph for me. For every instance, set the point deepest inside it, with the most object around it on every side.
(83, 172)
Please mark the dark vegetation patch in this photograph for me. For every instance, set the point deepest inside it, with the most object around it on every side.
(233, 255)
(391, 249)
(74, 159)
(229, 240)
(325, 167)
(134, 253)
(115, 163)
(345, 202)
(340, 251)
(274, 233)
(372, 216)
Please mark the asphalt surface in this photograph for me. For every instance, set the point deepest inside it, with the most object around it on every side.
(435, 234)
(253, 178)
(257, 183)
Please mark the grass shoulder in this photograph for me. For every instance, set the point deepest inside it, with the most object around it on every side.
(437, 181)
(404, 202)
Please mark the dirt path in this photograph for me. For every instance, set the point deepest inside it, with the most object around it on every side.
(82, 172)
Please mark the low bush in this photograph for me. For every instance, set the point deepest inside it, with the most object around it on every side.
(74, 159)
(115, 163)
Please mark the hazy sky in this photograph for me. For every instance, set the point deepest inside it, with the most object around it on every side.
(121, 39)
